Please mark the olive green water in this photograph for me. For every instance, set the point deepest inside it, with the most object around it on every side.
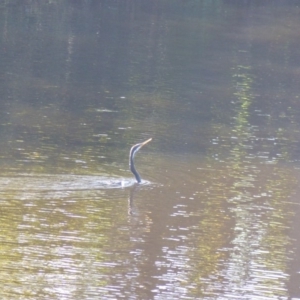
(215, 84)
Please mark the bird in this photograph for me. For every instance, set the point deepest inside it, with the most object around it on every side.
(134, 149)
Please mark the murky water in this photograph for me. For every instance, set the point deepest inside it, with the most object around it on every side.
(215, 84)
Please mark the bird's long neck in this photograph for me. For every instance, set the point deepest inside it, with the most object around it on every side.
(134, 171)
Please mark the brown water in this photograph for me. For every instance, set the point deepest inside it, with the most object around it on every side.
(215, 84)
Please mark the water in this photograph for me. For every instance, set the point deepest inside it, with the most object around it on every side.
(214, 83)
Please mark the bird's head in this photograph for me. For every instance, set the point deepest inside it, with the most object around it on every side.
(134, 149)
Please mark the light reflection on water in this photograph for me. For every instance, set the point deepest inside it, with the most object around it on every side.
(189, 238)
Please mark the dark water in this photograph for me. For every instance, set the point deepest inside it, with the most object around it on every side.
(215, 84)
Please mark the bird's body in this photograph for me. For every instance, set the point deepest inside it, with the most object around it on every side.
(134, 149)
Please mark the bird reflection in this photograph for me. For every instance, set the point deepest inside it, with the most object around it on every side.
(131, 208)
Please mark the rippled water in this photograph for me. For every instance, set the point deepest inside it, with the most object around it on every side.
(215, 86)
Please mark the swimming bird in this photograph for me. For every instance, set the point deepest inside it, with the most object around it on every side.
(134, 149)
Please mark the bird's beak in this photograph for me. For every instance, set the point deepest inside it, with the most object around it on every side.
(146, 142)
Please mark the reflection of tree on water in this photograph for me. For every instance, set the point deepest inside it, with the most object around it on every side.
(254, 192)
(250, 178)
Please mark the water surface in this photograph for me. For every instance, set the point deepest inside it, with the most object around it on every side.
(214, 83)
